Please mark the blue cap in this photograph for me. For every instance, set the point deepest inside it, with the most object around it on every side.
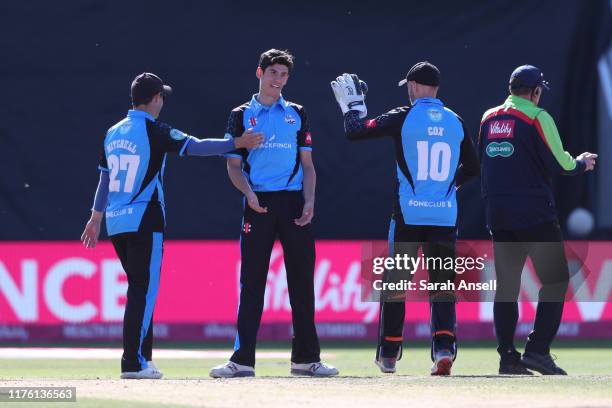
(528, 76)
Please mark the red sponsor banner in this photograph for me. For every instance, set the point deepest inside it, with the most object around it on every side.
(80, 293)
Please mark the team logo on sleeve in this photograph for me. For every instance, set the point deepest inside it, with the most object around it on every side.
(177, 134)
(503, 149)
(246, 228)
(501, 129)
(308, 138)
(252, 121)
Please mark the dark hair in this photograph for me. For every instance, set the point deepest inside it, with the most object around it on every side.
(521, 90)
(275, 56)
(142, 101)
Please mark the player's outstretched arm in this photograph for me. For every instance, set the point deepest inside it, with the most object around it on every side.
(239, 180)
(211, 147)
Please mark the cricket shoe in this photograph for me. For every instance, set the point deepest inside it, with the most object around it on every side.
(232, 370)
(386, 364)
(542, 363)
(317, 369)
(510, 363)
(513, 368)
(149, 373)
(443, 361)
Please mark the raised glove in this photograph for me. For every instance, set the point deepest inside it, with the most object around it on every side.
(350, 92)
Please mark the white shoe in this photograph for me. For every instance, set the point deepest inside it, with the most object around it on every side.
(148, 373)
(313, 369)
(153, 366)
(443, 361)
(232, 370)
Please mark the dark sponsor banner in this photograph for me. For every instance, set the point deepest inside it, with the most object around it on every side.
(111, 332)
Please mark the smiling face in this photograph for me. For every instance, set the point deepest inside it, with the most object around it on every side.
(272, 80)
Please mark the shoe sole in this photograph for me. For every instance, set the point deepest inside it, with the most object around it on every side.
(535, 366)
(239, 374)
(443, 367)
(514, 371)
(136, 376)
(384, 369)
(308, 373)
(502, 372)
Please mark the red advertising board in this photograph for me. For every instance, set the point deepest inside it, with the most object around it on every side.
(60, 291)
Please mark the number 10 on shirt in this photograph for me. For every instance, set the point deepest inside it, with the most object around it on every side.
(433, 164)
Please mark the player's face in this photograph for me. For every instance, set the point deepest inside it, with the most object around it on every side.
(273, 79)
(157, 104)
(537, 94)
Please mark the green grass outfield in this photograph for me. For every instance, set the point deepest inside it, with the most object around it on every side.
(474, 381)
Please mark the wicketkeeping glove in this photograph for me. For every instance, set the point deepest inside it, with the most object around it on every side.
(350, 92)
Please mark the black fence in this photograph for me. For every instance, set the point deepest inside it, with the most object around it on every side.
(67, 66)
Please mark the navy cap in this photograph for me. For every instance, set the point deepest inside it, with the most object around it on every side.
(147, 85)
(528, 76)
(424, 73)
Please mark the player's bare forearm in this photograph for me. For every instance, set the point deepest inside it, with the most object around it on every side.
(236, 175)
(310, 182)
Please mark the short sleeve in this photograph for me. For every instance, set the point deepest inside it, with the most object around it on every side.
(235, 128)
(169, 139)
(304, 137)
(102, 163)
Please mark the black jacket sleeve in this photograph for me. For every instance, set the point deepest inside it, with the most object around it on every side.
(387, 124)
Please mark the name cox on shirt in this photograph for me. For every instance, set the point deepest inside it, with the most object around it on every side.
(121, 144)
(435, 131)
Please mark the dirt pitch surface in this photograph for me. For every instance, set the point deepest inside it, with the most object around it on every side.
(456, 392)
(94, 373)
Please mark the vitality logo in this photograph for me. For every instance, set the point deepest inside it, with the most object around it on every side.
(503, 149)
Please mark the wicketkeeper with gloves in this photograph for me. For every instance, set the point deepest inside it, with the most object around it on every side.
(434, 156)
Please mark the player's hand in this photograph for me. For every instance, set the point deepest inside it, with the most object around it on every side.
(92, 230)
(350, 92)
(249, 140)
(307, 214)
(588, 159)
(253, 202)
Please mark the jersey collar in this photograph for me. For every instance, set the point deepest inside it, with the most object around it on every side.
(137, 113)
(256, 107)
(514, 100)
(434, 101)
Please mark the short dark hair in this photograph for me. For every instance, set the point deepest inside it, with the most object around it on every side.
(274, 56)
(142, 101)
(522, 90)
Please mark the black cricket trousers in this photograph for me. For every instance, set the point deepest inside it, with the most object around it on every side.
(259, 231)
(543, 243)
(436, 242)
(140, 254)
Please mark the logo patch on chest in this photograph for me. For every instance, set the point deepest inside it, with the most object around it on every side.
(290, 119)
(501, 129)
(252, 121)
(503, 149)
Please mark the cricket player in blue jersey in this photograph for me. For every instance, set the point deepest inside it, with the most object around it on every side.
(434, 155)
(278, 183)
(130, 193)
